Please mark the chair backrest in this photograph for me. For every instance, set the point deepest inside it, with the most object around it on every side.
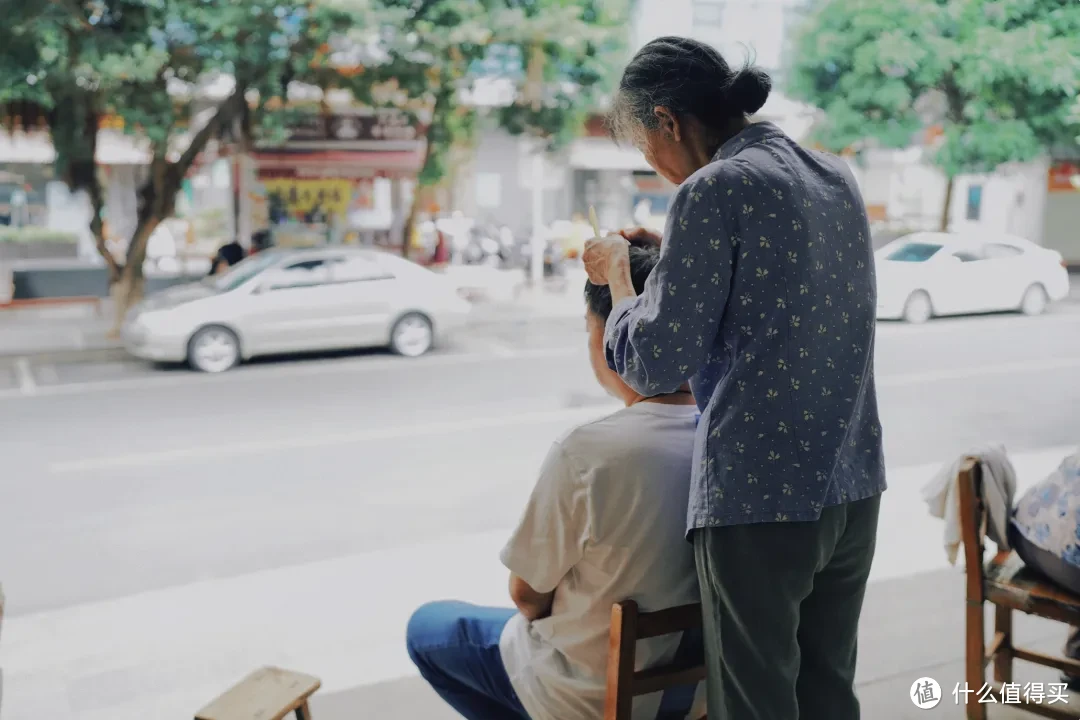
(972, 524)
(628, 625)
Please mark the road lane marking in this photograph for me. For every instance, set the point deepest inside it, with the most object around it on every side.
(358, 366)
(27, 384)
(301, 369)
(234, 449)
(255, 447)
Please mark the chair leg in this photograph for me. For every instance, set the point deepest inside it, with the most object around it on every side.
(974, 670)
(1003, 659)
(302, 712)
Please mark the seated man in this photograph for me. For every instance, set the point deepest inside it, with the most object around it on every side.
(605, 522)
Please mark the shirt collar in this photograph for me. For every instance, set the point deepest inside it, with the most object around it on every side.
(750, 135)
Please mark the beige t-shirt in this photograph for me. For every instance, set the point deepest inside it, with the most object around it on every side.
(606, 522)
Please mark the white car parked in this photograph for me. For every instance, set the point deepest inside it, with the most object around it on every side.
(286, 301)
(924, 275)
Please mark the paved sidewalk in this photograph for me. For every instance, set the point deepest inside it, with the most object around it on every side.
(78, 331)
(912, 627)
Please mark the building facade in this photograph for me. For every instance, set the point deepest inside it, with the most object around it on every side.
(616, 180)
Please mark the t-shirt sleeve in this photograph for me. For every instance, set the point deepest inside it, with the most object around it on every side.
(551, 536)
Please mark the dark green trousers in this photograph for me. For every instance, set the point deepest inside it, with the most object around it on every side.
(781, 605)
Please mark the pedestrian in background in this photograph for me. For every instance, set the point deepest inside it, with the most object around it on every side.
(764, 299)
(227, 255)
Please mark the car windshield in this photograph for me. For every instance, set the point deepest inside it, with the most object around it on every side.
(244, 270)
(913, 252)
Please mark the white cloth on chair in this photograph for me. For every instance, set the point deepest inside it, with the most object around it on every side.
(942, 495)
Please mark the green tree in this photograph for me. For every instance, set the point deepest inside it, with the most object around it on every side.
(70, 64)
(557, 55)
(999, 77)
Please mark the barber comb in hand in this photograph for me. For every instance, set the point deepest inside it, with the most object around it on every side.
(595, 223)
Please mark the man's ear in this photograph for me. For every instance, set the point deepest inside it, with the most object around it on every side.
(669, 124)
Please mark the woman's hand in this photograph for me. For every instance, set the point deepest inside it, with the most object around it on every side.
(642, 236)
(606, 258)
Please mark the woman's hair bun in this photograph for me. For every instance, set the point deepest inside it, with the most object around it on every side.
(749, 89)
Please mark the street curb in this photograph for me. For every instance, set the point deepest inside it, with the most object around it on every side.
(116, 353)
(71, 357)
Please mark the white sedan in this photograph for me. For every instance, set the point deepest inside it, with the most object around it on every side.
(286, 301)
(924, 275)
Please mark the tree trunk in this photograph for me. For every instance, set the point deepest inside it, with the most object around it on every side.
(410, 219)
(949, 183)
(97, 229)
(410, 222)
(129, 289)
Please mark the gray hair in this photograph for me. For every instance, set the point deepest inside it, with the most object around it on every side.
(687, 77)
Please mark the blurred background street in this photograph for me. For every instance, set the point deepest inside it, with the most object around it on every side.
(187, 527)
(290, 311)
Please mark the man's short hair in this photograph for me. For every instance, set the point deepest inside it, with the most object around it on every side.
(643, 258)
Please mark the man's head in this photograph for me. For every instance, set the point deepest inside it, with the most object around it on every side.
(643, 258)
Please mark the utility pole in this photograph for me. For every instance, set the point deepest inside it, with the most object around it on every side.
(534, 94)
(538, 240)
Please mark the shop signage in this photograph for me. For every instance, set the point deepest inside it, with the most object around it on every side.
(303, 199)
(1064, 177)
(340, 129)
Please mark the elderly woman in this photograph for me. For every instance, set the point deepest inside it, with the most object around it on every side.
(764, 299)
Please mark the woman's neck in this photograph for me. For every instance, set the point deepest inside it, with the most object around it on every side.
(736, 126)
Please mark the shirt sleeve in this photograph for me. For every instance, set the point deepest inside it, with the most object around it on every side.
(661, 338)
(551, 536)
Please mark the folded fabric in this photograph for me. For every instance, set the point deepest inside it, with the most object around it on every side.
(942, 496)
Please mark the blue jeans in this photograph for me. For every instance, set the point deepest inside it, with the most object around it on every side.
(455, 646)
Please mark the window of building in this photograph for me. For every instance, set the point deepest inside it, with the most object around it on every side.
(974, 202)
(708, 13)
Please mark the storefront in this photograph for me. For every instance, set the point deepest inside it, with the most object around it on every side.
(346, 177)
(613, 178)
(1062, 213)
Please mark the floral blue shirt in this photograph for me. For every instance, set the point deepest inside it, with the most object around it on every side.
(764, 299)
(1048, 514)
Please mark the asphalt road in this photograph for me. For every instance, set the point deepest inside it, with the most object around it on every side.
(163, 532)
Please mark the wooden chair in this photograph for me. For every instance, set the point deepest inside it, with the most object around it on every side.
(267, 694)
(1008, 585)
(628, 625)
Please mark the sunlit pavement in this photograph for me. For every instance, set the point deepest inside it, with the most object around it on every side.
(162, 532)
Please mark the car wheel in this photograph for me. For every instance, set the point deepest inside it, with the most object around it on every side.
(918, 308)
(214, 349)
(412, 335)
(1035, 301)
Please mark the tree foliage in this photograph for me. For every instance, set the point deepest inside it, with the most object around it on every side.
(999, 76)
(555, 57)
(71, 63)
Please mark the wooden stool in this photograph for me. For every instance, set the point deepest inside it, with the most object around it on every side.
(1007, 584)
(266, 694)
(628, 625)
